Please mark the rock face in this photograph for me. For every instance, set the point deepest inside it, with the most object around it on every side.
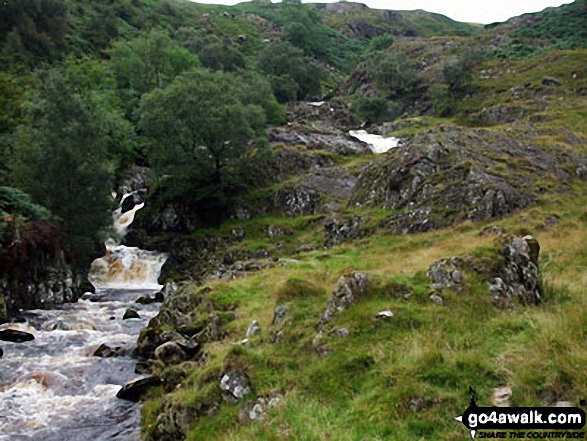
(518, 279)
(512, 273)
(453, 174)
(338, 230)
(347, 290)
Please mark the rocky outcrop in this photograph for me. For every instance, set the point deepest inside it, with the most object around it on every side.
(510, 269)
(337, 230)
(453, 174)
(347, 290)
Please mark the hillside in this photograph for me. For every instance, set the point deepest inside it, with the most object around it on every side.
(314, 289)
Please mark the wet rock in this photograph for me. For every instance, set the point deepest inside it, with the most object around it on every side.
(279, 314)
(1, 352)
(15, 336)
(145, 300)
(170, 353)
(253, 329)
(234, 386)
(501, 397)
(105, 351)
(130, 314)
(347, 290)
(136, 389)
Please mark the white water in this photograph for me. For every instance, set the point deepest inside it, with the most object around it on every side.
(53, 388)
(377, 143)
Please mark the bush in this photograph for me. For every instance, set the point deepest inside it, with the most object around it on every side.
(376, 110)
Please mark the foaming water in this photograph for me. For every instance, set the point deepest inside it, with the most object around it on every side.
(126, 267)
(54, 388)
(377, 143)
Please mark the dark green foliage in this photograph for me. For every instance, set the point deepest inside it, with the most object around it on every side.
(15, 202)
(376, 110)
(459, 74)
(33, 27)
(200, 126)
(393, 73)
(149, 61)
(282, 60)
(51, 165)
(214, 52)
(565, 26)
(381, 42)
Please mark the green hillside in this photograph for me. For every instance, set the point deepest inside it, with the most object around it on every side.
(233, 123)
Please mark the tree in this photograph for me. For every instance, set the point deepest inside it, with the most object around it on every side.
(459, 74)
(282, 60)
(200, 130)
(213, 52)
(393, 73)
(60, 159)
(149, 61)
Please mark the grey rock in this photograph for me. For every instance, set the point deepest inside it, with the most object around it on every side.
(234, 386)
(130, 314)
(279, 314)
(550, 81)
(134, 390)
(170, 353)
(253, 329)
(342, 333)
(384, 315)
(436, 299)
(347, 290)
(338, 230)
(106, 351)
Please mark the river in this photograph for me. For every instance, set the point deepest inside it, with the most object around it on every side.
(53, 388)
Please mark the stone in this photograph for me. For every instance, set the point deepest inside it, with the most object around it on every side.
(279, 314)
(15, 336)
(436, 299)
(1, 352)
(501, 397)
(338, 230)
(234, 386)
(550, 81)
(105, 351)
(130, 314)
(170, 353)
(159, 297)
(253, 329)
(384, 315)
(342, 333)
(144, 300)
(347, 290)
(135, 389)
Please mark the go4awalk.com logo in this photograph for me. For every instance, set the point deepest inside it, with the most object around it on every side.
(527, 422)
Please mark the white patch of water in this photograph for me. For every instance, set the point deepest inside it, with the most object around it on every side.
(377, 143)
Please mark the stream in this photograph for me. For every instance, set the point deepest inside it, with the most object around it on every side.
(53, 388)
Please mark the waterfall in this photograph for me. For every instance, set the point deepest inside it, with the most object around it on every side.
(126, 267)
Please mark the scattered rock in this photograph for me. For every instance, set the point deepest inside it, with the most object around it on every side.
(337, 230)
(145, 300)
(501, 397)
(446, 274)
(493, 230)
(256, 410)
(15, 336)
(347, 290)
(436, 299)
(130, 314)
(384, 315)
(550, 81)
(234, 386)
(253, 329)
(518, 278)
(279, 314)
(170, 353)
(106, 351)
(342, 333)
(134, 390)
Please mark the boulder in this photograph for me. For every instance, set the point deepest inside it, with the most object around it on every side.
(105, 351)
(234, 386)
(279, 314)
(136, 389)
(130, 314)
(15, 336)
(170, 353)
(347, 290)
(253, 329)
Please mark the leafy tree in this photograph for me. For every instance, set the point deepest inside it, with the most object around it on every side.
(214, 53)
(376, 110)
(200, 128)
(60, 159)
(459, 74)
(149, 61)
(393, 73)
(282, 60)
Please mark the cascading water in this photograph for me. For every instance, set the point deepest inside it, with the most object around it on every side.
(53, 387)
